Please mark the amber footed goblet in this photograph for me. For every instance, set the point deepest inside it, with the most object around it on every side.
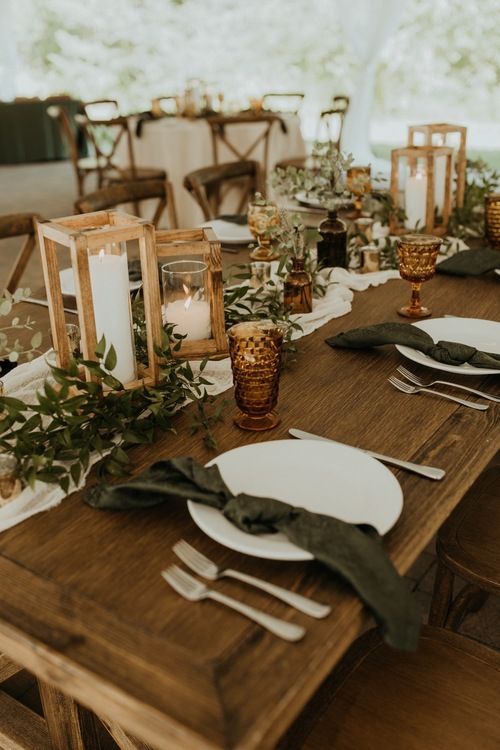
(255, 351)
(417, 255)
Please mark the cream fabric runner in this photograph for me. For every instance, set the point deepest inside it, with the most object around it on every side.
(24, 381)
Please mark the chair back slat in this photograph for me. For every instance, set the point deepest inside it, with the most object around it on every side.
(122, 193)
(223, 128)
(289, 102)
(206, 185)
(19, 225)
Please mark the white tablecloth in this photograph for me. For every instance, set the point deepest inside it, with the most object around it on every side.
(179, 146)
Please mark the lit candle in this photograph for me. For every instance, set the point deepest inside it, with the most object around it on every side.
(112, 311)
(415, 200)
(191, 317)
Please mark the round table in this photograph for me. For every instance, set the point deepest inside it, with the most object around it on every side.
(180, 145)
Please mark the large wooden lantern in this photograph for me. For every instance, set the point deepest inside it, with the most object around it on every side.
(193, 299)
(97, 244)
(441, 134)
(426, 201)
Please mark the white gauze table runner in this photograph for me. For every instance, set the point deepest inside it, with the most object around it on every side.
(24, 381)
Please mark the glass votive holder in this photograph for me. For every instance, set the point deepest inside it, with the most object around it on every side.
(10, 484)
(261, 274)
(255, 349)
(364, 226)
(370, 259)
(185, 303)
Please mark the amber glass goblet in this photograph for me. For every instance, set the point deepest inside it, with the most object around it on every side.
(255, 351)
(417, 255)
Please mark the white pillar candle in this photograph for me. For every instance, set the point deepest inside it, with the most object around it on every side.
(190, 317)
(415, 200)
(439, 179)
(112, 311)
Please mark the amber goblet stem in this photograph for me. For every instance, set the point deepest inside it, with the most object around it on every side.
(415, 304)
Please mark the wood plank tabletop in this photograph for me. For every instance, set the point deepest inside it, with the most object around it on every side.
(83, 604)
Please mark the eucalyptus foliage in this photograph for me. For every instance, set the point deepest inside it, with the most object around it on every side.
(11, 347)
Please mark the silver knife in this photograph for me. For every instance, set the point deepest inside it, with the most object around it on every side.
(431, 472)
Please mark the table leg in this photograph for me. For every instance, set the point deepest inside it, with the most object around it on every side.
(69, 725)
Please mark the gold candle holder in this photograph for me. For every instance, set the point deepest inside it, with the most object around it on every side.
(371, 259)
(10, 484)
(255, 351)
(359, 184)
(492, 219)
(263, 222)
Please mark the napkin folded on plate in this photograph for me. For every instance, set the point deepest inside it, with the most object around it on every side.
(354, 552)
(448, 352)
(470, 262)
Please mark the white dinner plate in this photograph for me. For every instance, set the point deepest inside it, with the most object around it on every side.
(482, 334)
(497, 271)
(308, 200)
(229, 233)
(68, 283)
(326, 478)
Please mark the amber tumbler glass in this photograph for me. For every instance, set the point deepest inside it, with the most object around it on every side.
(492, 219)
(255, 350)
(417, 255)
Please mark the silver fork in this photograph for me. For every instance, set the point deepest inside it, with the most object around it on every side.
(195, 591)
(208, 569)
(407, 388)
(418, 381)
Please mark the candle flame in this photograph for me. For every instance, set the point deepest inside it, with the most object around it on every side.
(189, 298)
(101, 254)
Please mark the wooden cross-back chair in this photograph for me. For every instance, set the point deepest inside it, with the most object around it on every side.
(331, 121)
(82, 166)
(121, 193)
(289, 102)
(18, 225)
(106, 136)
(207, 185)
(222, 125)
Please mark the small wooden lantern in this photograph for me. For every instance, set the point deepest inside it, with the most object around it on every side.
(176, 244)
(439, 132)
(420, 188)
(97, 243)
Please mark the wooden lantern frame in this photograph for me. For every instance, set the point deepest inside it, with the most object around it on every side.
(182, 244)
(413, 154)
(88, 232)
(444, 129)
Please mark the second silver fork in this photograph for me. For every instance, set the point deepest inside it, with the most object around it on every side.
(418, 381)
(208, 569)
(410, 389)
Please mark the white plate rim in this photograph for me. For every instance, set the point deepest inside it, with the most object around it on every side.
(422, 359)
(226, 238)
(291, 553)
(306, 200)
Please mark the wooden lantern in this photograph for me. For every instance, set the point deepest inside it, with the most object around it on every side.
(185, 244)
(422, 186)
(101, 288)
(435, 131)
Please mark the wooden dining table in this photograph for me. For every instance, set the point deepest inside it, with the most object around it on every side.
(83, 605)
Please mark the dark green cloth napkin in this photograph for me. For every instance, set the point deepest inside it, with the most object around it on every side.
(448, 352)
(354, 552)
(470, 262)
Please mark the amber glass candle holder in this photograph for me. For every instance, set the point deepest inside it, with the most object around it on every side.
(417, 255)
(492, 219)
(263, 221)
(359, 183)
(255, 350)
